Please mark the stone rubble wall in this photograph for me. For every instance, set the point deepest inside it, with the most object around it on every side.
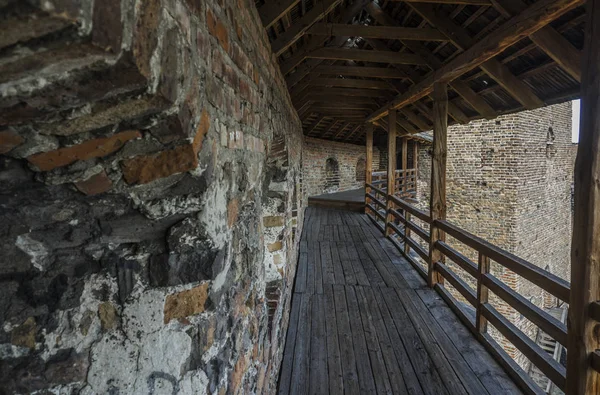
(314, 158)
(149, 176)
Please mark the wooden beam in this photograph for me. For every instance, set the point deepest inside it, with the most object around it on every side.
(351, 92)
(499, 72)
(356, 128)
(330, 127)
(549, 40)
(462, 88)
(383, 32)
(437, 202)
(368, 72)
(536, 16)
(560, 50)
(293, 34)
(315, 42)
(369, 162)
(341, 99)
(391, 169)
(363, 55)
(414, 118)
(466, 2)
(274, 10)
(583, 335)
(404, 163)
(351, 83)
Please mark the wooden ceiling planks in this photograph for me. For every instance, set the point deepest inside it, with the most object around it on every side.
(356, 55)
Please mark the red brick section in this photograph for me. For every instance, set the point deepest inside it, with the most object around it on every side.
(94, 185)
(217, 29)
(95, 148)
(8, 141)
(147, 168)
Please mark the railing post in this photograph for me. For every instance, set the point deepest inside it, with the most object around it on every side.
(416, 162)
(391, 170)
(584, 333)
(437, 204)
(368, 164)
(482, 293)
(404, 166)
(406, 232)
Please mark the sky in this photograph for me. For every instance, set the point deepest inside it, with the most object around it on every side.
(575, 121)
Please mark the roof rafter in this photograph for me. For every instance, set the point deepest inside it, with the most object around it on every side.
(364, 55)
(461, 39)
(293, 34)
(527, 22)
(477, 102)
(356, 71)
(385, 32)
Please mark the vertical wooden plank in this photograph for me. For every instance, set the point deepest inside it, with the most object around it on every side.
(290, 343)
(300, 372)
(391, 169)
(319, 378)
(369, 162)
(334, 363)
(366, 380)
(583, 335)
(482, 293)
(437, 205)
(404, 181)
(406, 233)
(348, 362)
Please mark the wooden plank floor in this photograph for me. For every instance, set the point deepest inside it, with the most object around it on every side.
(363, 322)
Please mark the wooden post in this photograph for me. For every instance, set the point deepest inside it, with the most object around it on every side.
(437, 204)
(583, 332)
(482, 293)
(391, 168)
(404, 179)
(369, 163)
(415, 163)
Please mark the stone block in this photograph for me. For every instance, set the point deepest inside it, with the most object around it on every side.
(9, 140)
(95, 148)
(147, 168)
(94, 185)
(273, 221)
(186, 303)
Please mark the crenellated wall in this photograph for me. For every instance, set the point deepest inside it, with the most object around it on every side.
(149, 167)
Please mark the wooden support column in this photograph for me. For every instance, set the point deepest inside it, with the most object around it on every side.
(437, 204)
(416, 162)
(369, 163)
(404, 166)
(583, 332)
(391, 168)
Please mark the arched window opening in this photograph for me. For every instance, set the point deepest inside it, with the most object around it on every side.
(332, 174)
(360, 170)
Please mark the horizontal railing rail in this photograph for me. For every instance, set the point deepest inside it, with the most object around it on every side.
(396, 216)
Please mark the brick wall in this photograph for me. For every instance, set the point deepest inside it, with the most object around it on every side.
(315, 155)
(150, 161)
(509, 182)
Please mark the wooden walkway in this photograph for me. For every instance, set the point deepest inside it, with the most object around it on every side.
(363, 321)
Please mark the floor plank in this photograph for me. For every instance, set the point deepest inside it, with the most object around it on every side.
(362, 321)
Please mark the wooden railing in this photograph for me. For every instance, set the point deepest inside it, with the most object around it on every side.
(405, 181)
(402, 230)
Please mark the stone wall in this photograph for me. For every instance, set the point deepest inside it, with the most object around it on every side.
(149, 196)
(316, 167)
(509, 182)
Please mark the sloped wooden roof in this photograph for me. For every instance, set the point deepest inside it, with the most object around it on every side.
(347, 62)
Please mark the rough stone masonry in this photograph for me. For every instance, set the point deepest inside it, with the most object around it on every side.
(149, 168)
